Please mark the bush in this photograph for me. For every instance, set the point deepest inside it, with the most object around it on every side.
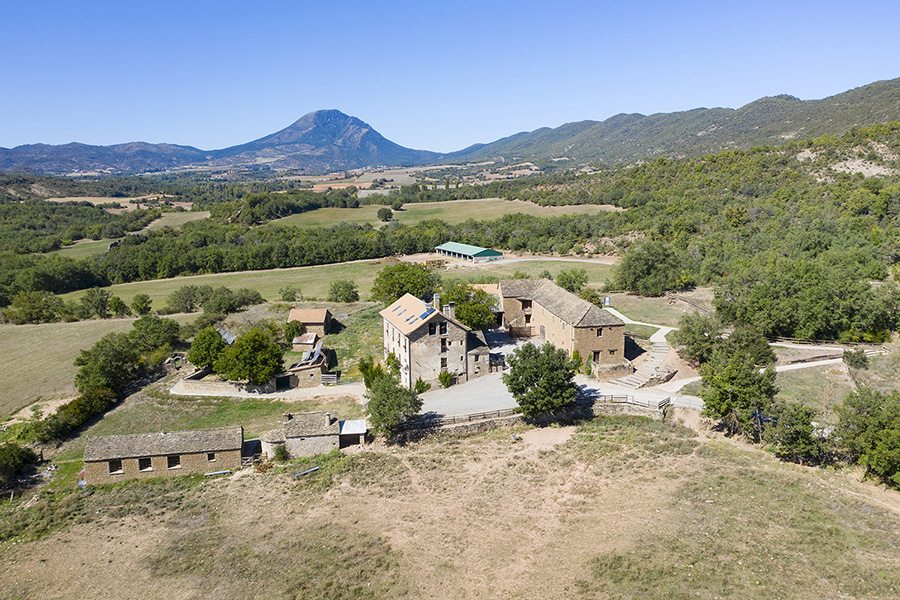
(14, 461)
(420, 387)
(289, 293)
(281, 453)
(856, 359)
(343, 290)
(444, 379)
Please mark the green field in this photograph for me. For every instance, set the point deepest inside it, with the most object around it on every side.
(177, 219)
(85, 248)
(657, 310)
(454, 211)
(37, 360)
(313, 282)
(822, 388)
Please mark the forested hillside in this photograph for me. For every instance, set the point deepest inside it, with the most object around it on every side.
(790, 235)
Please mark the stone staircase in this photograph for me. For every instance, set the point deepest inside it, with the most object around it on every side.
(658, 353)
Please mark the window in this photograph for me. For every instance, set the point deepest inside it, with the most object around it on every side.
(599, 332)
(115, 466)
(174, 461)
(443, 327)
(596, 356)
(612, 352)
(443, 344)
(526, 304)
(145, 464)
(211, 457)
(443, 362)
(431, 329)
(476, 358)
(527, 319)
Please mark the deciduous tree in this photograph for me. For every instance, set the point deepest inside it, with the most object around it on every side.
(540, 379)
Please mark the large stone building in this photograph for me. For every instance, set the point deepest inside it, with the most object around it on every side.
(428, 342)
(541, 309)
(113, 458)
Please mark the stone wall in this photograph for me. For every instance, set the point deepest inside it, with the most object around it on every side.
(97, 472)
(194, 384)
(311, 445)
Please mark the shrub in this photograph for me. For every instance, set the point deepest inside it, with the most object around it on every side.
(856, 359)
(281, 453)
(420, 387)
(445, 378)
(14, 460)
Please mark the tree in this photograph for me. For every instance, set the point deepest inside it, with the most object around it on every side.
(869, 428)
(540, 379)
(150, 332)
(791, 432)
(404, 278)
(389, 404)
(206, 348)
(293, 329)
(735, 391)
(253, 357)
(697, 337)
(118, 307)
(289, 293)
(474, 306)
(343, 290)
(397, 204)
(35, 307)
(14, 460)
(188, 298)
(385, 214)
(572, 280)
(370, 371)
(108, 364)
(140, 304)
(96, 302)
(649, 268)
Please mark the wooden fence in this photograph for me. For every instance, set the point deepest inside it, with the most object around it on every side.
(835, 343)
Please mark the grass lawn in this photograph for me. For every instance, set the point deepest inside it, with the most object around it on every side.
(37, 360)
(656, 310)
(454, 211)
(883, 373)
(822, 388)
(85, 248)
(597, 272)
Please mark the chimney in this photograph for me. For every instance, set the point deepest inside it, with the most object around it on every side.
(436, 301)
(327, 419)
(450, 310)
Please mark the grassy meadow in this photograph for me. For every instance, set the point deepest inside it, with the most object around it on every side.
(37, 360)
(454, 211)
(314, 281)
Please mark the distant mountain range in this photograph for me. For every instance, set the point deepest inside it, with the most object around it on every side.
(329, 140)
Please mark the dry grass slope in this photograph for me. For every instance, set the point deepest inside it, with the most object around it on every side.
(625, 508)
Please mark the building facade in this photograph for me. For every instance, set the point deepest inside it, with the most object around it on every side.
(311, 433)
(114, 458)
(428, 342)
(538, 308)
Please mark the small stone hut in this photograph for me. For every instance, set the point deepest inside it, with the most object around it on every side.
(311, 433)
(316, 320)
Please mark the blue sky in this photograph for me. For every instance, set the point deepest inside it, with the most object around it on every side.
(438, 76)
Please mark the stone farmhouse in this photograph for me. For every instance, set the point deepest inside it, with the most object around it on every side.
(311, 433)
(538, 308)
(317, 320)
(114, 458)
(428, 342)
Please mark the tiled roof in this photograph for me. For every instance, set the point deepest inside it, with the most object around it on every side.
(409, 313)
(160, 444)
(309, 316)
(310, 423)
(565, 305)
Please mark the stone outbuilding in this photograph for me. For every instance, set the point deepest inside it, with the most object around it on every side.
(303, 343)
(538, 308)
(316, 320)
(428, 342)
(311, 433)
(114, 458)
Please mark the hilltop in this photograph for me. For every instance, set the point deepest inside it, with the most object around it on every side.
(329, 140)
